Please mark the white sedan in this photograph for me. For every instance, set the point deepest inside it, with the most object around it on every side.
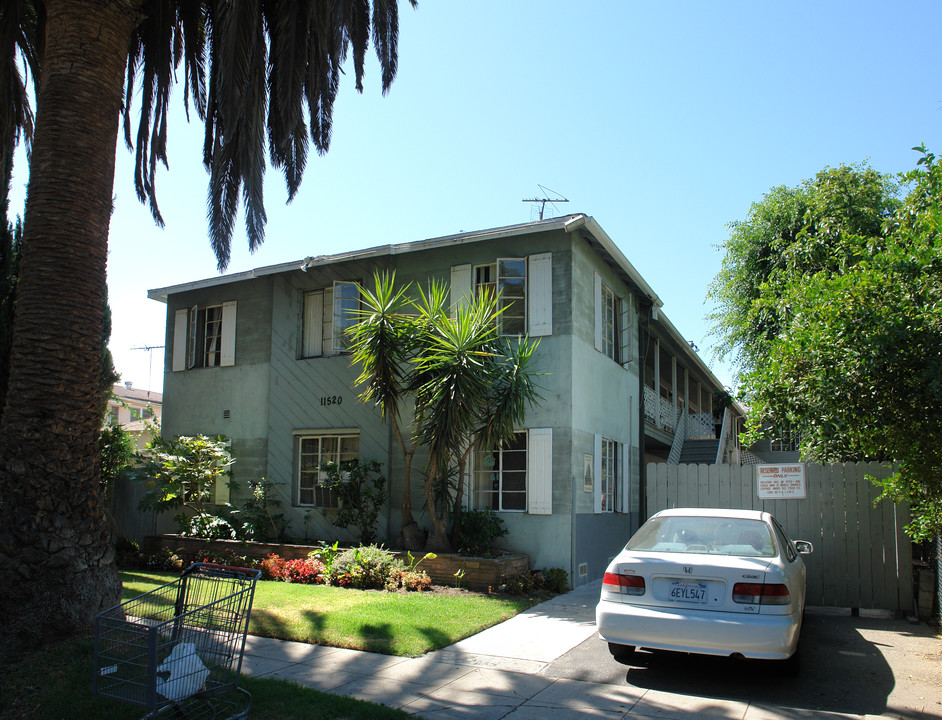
(716, 582)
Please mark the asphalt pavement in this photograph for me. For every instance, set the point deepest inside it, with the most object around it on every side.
(549, 664)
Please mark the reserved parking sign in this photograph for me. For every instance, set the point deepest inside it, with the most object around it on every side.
(781, 482)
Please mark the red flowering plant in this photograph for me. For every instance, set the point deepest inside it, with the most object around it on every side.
(273, 567)
(304, 570)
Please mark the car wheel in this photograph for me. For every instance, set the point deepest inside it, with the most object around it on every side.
(621, 653)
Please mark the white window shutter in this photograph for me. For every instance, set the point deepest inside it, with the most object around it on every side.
(227, 354)
(540, 302)
(194, 334)
(221, 491)
(328, 322)
(312, 344)
(540, 471)
(598, 312)
(597, 474)
(627, 336)
(461, 288)
(180, 336)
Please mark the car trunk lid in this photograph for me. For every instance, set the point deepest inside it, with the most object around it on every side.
(686, 580)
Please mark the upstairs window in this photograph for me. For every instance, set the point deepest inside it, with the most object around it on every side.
(523, 287)
(326, 314)
(611, 315)
(204, 337)
(507, 281)
(613, 323)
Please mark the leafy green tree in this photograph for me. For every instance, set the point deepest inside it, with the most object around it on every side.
(116, 451)
(182, 474)
(857, 367)
(262, 77)
(826, 224)
(258, 518)
(468, 385)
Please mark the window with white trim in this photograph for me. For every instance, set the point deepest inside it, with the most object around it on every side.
(326, 313)
(613, 323)
(608, 474)
(611, 316)
(523, 287)
(204, 336)
(499, 476)
(314, 452)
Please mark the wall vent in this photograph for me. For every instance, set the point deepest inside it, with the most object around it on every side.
(225, 415)
(583, 569)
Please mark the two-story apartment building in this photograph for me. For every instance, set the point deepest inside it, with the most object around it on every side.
(260, 357)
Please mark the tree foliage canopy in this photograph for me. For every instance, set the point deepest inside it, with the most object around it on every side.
(261, 76)
(825, 225)
(468, 384)
(851, 355)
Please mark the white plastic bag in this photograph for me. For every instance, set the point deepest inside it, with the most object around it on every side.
(182, 673)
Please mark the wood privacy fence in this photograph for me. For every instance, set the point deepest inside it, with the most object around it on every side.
(862, 558)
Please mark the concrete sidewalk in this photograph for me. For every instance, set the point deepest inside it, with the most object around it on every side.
(508, 671)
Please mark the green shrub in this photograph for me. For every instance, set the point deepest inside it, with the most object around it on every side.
(326, 554)
(128, 554)
(477, 531)
(205, 525)
(534, 582)
(409, 580)
(258, 518)
(556, 580)
(164, 559)
(364, 568)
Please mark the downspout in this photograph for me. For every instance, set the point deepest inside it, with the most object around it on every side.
(642, 472)
(573, 565)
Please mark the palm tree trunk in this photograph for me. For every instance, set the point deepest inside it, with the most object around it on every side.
(438, 537)
(411, 537)
(56, 543)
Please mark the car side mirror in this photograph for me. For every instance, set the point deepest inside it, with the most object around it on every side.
(804, 547)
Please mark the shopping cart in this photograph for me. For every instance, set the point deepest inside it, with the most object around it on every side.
(179, 647)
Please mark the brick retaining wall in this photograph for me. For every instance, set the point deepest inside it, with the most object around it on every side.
(479, 573)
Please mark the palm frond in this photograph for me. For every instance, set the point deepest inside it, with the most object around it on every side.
(20, 35)
(251, 69)
(381, 343)
(288, 53)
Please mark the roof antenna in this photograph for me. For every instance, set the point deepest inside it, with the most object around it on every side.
(543, 200)
(150, 363)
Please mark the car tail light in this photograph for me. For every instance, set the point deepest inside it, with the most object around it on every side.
(761, 594)
(628, 584)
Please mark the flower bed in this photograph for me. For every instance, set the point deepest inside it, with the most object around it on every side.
(478, 573)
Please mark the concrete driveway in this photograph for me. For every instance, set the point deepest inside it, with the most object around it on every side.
(851, 666)
(548, 664)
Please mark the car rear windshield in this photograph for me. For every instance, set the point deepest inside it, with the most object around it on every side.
(710, 535)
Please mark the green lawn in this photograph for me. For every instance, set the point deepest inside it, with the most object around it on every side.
(407, 624)
(55, 683)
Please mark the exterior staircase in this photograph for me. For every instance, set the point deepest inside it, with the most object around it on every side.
(699, 451)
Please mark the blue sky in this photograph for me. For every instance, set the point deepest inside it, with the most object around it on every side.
(664, 121)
